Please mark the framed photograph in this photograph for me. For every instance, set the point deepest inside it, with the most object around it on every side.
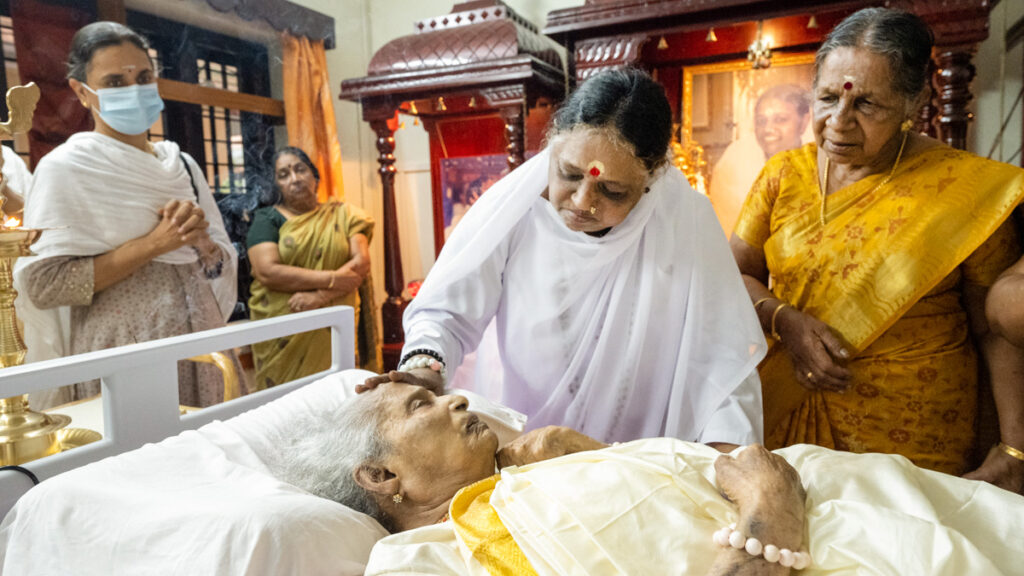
(463, 180)
(741, 117)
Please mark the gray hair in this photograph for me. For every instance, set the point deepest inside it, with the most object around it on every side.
(89, 39)
(321, 452)
(901, 37)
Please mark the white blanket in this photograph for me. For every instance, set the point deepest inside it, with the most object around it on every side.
(651, 506)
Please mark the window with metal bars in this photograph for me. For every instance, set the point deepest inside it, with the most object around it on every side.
(233, 147)
(223, 144)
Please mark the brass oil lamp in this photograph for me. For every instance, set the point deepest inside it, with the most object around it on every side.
(24, 434)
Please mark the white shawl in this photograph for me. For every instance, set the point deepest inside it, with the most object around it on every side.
(643, 332)
(94, 193)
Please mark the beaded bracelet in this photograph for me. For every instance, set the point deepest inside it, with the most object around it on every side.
(423, 358)
(729, 536)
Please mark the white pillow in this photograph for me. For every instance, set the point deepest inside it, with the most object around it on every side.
(180, 507)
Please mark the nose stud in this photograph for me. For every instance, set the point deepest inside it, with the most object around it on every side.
(593, 210)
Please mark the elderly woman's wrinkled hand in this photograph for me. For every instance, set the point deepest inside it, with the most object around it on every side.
(757, 477)
(819, 356)
(424, 377)
(544, 444)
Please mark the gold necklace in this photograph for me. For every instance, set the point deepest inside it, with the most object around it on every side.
(824, 188)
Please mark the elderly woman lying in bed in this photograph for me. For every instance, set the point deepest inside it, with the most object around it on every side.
(414, 460)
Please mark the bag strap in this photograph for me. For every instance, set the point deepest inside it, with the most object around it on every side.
(191, 176)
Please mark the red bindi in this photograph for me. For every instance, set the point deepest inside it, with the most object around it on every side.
(595, 172)
(848, 85)
(595, 168)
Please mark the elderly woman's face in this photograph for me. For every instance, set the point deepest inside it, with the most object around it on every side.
(856, 111)
(593, 182)
(296, 182)
(439, 447)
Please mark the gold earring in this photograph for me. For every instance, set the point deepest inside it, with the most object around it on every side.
(397, 498)
(907, 125)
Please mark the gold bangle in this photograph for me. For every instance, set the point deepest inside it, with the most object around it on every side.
(762, 301)
(1010, 450)
(775, 314)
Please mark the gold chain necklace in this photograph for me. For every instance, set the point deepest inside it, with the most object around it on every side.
(824, 188)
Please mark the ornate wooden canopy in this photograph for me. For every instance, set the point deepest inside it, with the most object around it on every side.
(611, 33)
(480, 61)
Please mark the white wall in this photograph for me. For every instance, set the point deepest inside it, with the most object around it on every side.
(996, 86)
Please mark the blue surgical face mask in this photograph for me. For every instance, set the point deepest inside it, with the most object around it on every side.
(131, 109)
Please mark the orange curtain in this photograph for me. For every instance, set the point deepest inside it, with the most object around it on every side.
(309, 111)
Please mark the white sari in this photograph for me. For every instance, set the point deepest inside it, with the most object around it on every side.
(646, 331)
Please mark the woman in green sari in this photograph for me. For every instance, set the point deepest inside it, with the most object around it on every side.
(306, 255)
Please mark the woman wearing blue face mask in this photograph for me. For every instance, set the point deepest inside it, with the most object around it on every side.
(136, 248)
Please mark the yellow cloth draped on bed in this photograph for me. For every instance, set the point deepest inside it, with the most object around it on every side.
(885, 272)
(651, 507)
(316, 240)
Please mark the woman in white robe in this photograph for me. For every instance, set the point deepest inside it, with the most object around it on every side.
(134, 247)
(618, 309)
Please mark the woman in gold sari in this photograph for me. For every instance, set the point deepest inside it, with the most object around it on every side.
(880, 245)
(306, 256)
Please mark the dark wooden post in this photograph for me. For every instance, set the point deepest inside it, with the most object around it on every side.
(391, 309)
(515, 135)
(511, 104)
(952, 82)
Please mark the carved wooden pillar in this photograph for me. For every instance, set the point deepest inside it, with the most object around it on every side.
(515, 139)
(511, 103)
(951, 80)
(925, 116)
(391, 309)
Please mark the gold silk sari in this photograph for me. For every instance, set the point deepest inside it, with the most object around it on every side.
(316, 240)
(886, 274)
